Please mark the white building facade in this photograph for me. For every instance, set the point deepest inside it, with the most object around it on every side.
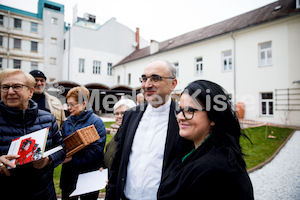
(256, 60)
(91, 50)
(25, 38)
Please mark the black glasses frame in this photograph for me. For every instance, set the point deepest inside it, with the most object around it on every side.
(15, 87)
(153, 78)
(190, 110)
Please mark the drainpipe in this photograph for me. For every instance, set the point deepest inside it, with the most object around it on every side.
(8, 36)
(69, 51)
(234, 70)
(124, 71)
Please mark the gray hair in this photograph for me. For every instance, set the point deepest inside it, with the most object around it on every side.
(170, 66)
(172, 69)
(124, 102)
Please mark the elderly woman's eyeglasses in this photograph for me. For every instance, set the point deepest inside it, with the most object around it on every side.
(72, 105)
(15, 87)
(188, 112)
(153, 78)
(119, 113)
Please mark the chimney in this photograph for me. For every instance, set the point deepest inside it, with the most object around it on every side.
(154, 47)
(137, 38)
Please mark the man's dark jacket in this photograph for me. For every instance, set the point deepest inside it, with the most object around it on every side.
(130, 122)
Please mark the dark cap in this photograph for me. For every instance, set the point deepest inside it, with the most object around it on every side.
(38, 73)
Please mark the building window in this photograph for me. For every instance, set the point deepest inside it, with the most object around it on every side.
(54, 20)
(265, 53)
(17, 23)
(53, 40)
(227, 61)
(34, 65)
(34, 46)
(17, 43)
(109, 69)
(34, 27)
(119, 80)
(64, 44)
(199, 66)
(0, 62)
(267, 104)
(81, 65)
(129, 79)
(17, 64)
(1, 40)
(96, 67)
(1, 20)
(176, 65)
(53, 61)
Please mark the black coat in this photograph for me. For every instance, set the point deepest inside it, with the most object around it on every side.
(25, 181)
(130, 122)
(210, 172)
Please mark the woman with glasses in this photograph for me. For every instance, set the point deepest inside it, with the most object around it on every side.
(215, 168)
(89, 158)
(119, 109)
(19, 115)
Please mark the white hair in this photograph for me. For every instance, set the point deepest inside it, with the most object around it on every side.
(125, 102)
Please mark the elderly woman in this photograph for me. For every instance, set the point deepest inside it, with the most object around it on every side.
(119, 109)
(19, 115)
(215, 168)
(91, 157)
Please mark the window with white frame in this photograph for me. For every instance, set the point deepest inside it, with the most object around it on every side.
(1, 40)
(96, 67)
(54, 20)
(17, 23)
(1, 20)
(265, 54)
(0, 62)
(53, 40)
(34, 27)
(109, 69)
(176, 65)
(227, 61)
(267, 102)
(53, 61)
(34, 65)
(17, 64)
(17, 43)
(129, 79)
(81, 65)
(34, 46)
(198, 66)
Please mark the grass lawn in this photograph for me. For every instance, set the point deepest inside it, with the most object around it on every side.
(261, 149)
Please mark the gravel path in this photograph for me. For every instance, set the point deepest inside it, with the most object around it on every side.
(280, 179)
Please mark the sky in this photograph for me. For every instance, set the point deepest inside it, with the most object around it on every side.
(158, 20)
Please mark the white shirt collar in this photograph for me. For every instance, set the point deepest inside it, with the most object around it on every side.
(161, 108)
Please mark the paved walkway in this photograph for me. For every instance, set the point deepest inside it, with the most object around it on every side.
(280, 179)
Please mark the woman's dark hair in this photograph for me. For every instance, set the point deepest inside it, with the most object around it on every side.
(219, 109)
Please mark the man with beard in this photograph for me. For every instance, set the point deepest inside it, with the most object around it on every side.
(149, 138)
(46, 101)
